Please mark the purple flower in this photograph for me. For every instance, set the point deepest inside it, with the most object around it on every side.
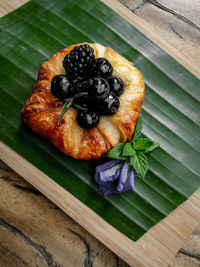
(114, 177)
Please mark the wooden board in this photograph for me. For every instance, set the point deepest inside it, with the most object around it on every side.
(159, 245)
(142, 26)
(156, 248)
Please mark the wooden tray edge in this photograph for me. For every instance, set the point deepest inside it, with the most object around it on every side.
(155, 248)
(87, 218)
(147, 30)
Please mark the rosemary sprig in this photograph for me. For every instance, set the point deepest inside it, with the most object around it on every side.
(66, 106)
(80, 94)
(79, 107)
(68, 103)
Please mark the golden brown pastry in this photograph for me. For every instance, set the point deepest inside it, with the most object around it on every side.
(42, 109)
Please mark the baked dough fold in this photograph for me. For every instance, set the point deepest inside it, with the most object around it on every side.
(42, 109)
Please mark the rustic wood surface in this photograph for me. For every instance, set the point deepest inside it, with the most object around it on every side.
(157, 247)
(34, 232)
(177, 22)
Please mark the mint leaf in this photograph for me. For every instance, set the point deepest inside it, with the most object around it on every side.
(139, 163)
(116, 152)
(145, 145)
(128, 150)
(138, 130)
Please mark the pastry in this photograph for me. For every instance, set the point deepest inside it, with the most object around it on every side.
(114, 87)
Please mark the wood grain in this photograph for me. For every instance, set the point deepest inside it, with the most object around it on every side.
(191, 64)
(8, 6)
(144, 27)
(156, 248)
(177, 24)
(92, 222)
(26, 213)
(35, 232)
(159, 245)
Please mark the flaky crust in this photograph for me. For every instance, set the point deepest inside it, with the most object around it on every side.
(42, 109)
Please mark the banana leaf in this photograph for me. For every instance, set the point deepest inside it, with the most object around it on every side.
(31, 35)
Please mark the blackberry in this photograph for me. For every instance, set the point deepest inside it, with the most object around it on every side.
(101, 68)
(61, 87)
(88, 119)
(109, 106)
(77, 62)
(116, 85)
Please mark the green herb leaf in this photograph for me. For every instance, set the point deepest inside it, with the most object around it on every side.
(128, 150)
(79, 107)
(139, 163)
(138, 130)
(116, 152)
(66, 106)
(68, 103)
(145, 145)
(80, 94)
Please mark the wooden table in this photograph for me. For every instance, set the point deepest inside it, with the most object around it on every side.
(33, 231)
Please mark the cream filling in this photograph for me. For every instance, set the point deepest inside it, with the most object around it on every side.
(100, 50)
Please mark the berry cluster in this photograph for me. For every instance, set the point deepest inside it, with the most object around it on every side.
(91, 75)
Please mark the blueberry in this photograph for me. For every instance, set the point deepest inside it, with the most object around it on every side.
(99, 88)
(88, 119)
(109, 105)
(116, 85)
(61, 87)
(82, 86)
(101, 68)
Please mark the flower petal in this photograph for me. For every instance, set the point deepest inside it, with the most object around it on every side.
(107, 165)
(108, 172)
(115, 177)
(107, 190)
(129, 184)
(122, 178)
